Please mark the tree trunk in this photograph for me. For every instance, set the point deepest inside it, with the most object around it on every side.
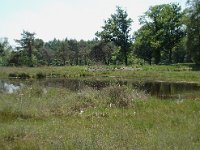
(85, 60)
(76, 59)
(157, 56)
(30, 54)
(64, 61)
(149, 61)
(126, 60)
(170, 56)
(125, 50)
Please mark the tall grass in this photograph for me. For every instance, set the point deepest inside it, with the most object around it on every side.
(111, 118)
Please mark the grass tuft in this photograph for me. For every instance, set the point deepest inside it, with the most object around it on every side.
(122, 96)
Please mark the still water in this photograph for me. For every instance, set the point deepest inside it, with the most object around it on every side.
(159, 89)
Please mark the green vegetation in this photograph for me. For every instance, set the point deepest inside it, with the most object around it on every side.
(193, 30)
(167, 35)
(26, 44)
(174, 73)
(116, 30)
(165, 48)
(112, 118)
(160, 35)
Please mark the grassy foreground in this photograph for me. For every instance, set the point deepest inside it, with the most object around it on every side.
(173, 73)
(112, 118)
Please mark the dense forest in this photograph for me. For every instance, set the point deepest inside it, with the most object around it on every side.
(167, 35)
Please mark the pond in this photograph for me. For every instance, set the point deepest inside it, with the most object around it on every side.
(159, 89)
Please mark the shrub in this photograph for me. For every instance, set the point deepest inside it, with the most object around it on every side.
(23, 76)
(85, 99)
(120, 96)
(40, 75)
(12, 75)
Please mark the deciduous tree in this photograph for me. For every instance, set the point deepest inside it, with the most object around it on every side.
(165, 22)
(193, 29)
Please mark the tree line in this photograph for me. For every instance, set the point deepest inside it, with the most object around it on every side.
(167, 35)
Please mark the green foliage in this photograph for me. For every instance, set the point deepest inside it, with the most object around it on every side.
(68, 52)
(116, 29)
(102, 53)
(193, 29)
(142, 46)
(161, 32)
(162, 39)
(179, 52)
(40, 75)
(5, 50)
(26, 44)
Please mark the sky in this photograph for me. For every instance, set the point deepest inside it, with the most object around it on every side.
(72, 19)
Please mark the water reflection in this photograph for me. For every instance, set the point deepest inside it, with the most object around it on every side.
(6, 86)
(170, 90)
(162, 90)
(159, 89)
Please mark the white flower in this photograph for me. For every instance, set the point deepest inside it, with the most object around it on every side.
(110, 105)
(81, 112)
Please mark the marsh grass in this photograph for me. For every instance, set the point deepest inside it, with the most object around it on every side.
(57, 118)
(175, 73)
